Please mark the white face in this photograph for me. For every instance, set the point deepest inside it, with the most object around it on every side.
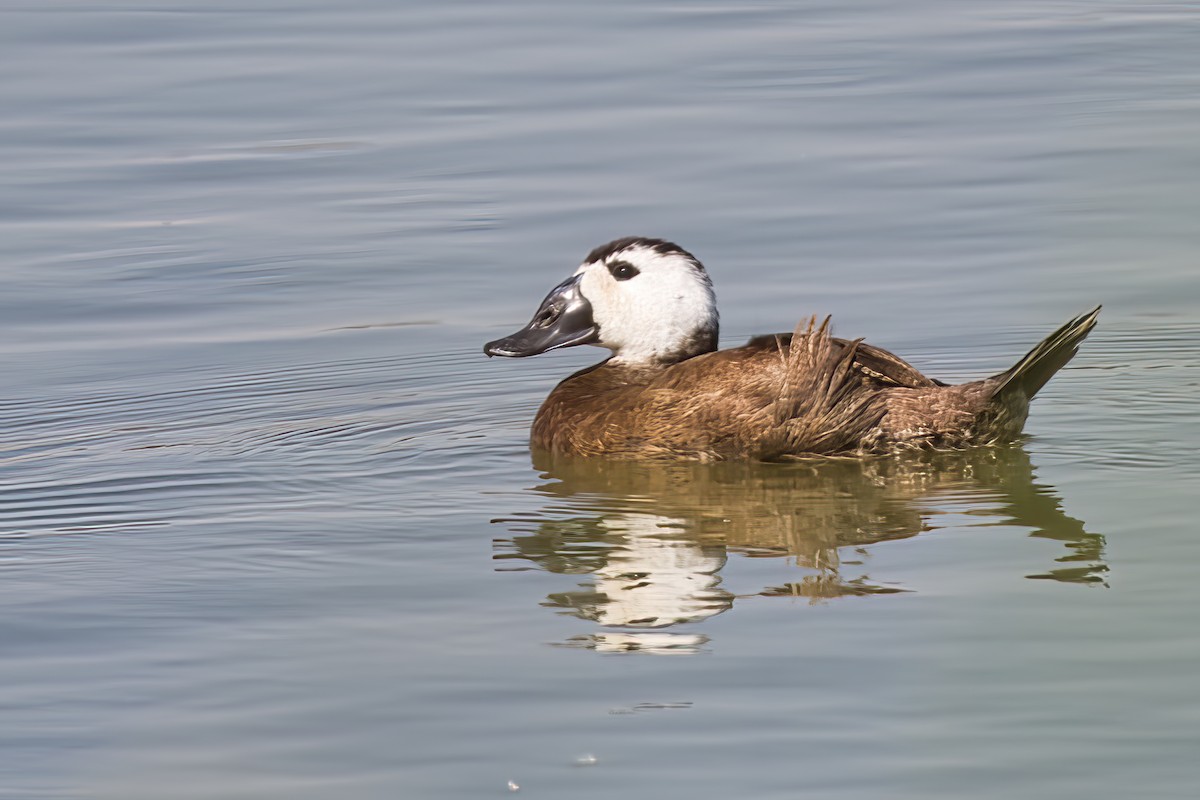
(652, 301)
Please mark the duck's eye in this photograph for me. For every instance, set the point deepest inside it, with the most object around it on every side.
(622, 270)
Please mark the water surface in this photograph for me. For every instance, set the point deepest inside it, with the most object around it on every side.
(269, 526)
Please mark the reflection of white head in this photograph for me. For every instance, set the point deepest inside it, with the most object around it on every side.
(655, 580)
(654, 642)
(651, 299)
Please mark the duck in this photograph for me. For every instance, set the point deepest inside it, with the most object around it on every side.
(666, 392)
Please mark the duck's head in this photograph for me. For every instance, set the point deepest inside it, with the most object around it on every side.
(647, 300)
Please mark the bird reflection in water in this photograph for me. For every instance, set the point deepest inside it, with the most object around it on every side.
(654, 537)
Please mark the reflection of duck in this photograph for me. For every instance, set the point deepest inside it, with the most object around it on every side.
(667, 392)
(655, 535)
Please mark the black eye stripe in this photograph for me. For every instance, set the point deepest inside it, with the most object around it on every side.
(622, 270)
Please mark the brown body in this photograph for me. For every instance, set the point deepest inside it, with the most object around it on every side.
(787, 395)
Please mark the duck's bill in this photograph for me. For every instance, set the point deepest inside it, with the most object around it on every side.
(564, 319)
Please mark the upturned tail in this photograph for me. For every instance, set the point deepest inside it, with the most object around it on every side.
(1022, 381)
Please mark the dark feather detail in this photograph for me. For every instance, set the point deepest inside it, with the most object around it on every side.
(1030, 374)
(824, 404)
(882, 367)
(660, 246)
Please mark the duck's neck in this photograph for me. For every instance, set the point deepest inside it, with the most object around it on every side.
(701, 341)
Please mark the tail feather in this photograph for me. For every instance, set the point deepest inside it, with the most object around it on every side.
(1030, 374)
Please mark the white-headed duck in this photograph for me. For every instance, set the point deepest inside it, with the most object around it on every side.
(667, 392)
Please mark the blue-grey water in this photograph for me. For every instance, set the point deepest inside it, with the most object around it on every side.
(269, 526)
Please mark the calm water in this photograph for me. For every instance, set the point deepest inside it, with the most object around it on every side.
(268, 524)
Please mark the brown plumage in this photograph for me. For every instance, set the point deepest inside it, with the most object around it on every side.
(672, 396)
